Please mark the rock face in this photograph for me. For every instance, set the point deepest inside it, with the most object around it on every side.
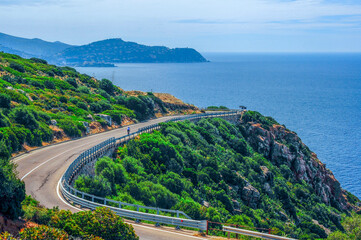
(250, 195)
(282, 146)
(107, 118)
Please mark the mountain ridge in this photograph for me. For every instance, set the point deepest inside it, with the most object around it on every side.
(99, 53)
(35, 47)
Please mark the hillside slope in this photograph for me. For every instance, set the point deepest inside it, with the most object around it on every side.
(41, 104)
(97, 54)
(254, 173)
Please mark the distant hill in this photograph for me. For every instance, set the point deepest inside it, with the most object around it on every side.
(30, 47)
(101, 53)
(119, 51)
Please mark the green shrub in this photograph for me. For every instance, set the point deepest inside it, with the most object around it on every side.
(15, 96)
(4, 121)
(70, 128)
(82, 105)
(25, 117)
(49, 84)
(107, 86)
(12, 190)
(93, 185)
(17, 67)
(43, 232)
(37, 84)
(84, 89)
(105, 224)
(38, 60)
(4, 101)
(72, 82)
(63, 99)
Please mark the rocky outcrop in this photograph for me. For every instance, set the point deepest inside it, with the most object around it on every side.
(105, 117)
(250, 195)
(282, 146)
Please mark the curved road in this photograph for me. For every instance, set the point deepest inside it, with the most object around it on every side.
(42, 169)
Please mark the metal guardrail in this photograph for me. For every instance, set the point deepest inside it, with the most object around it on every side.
(254, 234)
(91, 201)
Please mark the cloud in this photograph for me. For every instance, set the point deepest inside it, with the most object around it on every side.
(178, 23)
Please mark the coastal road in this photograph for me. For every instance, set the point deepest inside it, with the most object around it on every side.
(42, 169)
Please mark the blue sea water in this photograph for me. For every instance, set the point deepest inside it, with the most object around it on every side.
(316, 95)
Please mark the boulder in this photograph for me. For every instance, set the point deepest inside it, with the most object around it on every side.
(267, 188)
(251, 196)
(87, 128)
(90, 117)
(236, 204)
(107, 118)
(206, 204)
(267, 175)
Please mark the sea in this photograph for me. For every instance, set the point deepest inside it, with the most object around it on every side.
(316, 95)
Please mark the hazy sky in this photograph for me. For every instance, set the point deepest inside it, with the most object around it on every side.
(207, 25)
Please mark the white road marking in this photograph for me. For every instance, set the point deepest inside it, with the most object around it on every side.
(53, 159)
(68, 204)
(59, 196)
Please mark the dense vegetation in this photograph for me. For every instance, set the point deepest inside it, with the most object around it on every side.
(60, 224)
(215, 108)
(210, 171)
(12, 190)
(33, 93)
(352, 226)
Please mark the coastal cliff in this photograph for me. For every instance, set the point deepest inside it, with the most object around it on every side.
(282, 146)
(250, 171)
(43, 104)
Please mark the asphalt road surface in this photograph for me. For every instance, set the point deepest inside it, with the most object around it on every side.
(42, 169)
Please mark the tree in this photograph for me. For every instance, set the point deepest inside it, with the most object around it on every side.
(49, 84)
(43, 232)
(25, 117)
(5, 101)
(107, 86)
(38, 60)
(17, 67)
(352, 226)
(4, 121)
(72, 82)
(12, 190)
(97, 186)
(105, 224)
(113, 172)
(173, 182)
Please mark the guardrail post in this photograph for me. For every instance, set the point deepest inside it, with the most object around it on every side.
(105, 201)
(177, 214)
(120, 205)
(157, 211)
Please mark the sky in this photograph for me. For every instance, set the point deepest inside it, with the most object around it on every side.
(206, 25)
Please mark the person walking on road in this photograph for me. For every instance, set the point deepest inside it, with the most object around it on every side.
(128, 130)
